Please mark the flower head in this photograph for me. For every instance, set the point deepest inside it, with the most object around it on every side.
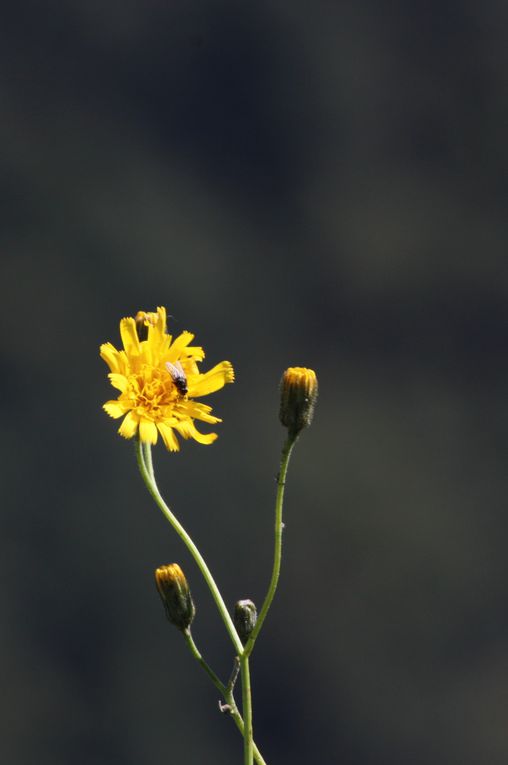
(158, 379)
(298, 395)
(175, 594)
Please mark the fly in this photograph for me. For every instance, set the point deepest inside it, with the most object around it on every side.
(178, 376)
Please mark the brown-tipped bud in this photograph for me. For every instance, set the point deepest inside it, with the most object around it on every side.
(245, 618)
(175, 594)
(298, 395)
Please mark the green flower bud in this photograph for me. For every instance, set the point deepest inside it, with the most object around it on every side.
(245, 618)
(298, 396)
(176, 596)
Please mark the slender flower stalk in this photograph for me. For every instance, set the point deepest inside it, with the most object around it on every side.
(151, 485)
(147, 456)
(248, 741)
(209, 671)
(277, 554)
(277, 558)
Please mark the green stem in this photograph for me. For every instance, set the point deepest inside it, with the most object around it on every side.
(248, 743)
(277, 555)
(209, 671)
(234, 676)
(277, 558)
(146, 470)
(237, 718)
(147, 456)
(226, 691)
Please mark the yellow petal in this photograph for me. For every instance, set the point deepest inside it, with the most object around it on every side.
(158, 339)
(115, 409)
(178, 345)
(213, 380)
(161, 319)
(168, 436)
(198, 411)
(129, 426)
(147, 431)
(195, 352)
(109, 354)
(118, 381)
(188, 430)
(122, 363)
(129, 335)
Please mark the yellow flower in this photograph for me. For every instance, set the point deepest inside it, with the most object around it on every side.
(158, 380)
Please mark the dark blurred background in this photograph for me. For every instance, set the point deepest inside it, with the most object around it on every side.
(319, 184)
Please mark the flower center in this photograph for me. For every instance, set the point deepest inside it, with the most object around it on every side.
(151, 391)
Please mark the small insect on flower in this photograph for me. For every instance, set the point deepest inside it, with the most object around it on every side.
(178, 376)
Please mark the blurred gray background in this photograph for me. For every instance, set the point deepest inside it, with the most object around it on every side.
(319, 184)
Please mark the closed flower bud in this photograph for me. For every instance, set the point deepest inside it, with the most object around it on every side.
(175, 594)
(245, 618)
(298, 395)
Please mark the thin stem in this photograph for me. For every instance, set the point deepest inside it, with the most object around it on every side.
(277, 555)
(144, 461)
(277, 558)
(209, 671)
(248, 743)
(226, 691)
(237, 718)
(234, 675)
(147, 456)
